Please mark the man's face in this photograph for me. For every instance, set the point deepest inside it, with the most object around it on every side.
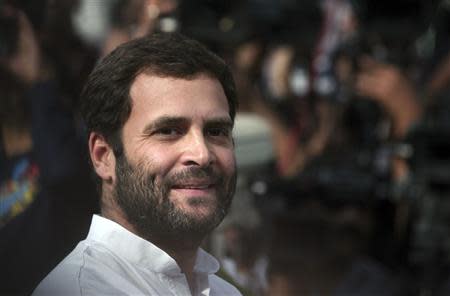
(177, 175)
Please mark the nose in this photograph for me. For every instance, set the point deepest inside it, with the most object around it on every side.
(197, 150)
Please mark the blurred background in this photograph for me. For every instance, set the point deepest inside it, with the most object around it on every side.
(342, 137)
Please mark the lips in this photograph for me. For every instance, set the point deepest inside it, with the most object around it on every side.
(198, 187)
(195, 185)
(194, 189)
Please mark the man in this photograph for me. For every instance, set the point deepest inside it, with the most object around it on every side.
(160, 112)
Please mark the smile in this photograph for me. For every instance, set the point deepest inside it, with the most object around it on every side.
(194, 185)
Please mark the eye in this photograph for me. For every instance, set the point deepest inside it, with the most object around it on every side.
(167, 132)
(218, 132)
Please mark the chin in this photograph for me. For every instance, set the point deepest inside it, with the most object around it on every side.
(199, 211)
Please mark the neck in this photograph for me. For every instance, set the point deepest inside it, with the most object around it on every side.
(111, 211)
(185, 254)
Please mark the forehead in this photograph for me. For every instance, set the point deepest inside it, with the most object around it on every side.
(201, 96)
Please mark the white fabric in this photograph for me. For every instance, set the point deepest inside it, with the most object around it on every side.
(114, 261)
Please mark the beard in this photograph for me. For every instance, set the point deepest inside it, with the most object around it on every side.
(147, 205)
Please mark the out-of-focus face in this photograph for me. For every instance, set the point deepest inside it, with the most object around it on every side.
(177, 175)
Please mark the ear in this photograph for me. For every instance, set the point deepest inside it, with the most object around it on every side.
(102, 156)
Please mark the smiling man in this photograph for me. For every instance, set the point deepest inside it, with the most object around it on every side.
(160, 112)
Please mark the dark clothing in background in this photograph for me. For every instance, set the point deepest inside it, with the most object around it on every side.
(54, 195)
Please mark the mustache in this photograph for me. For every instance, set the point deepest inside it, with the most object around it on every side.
(205, 174)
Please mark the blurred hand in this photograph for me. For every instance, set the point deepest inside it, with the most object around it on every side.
(25, 62)
(143, 15)
(382, 82)
(387, 85)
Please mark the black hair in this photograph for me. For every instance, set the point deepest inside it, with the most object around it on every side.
(105, 103)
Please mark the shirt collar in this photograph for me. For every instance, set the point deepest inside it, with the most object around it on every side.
(205, 263)
(141, 252)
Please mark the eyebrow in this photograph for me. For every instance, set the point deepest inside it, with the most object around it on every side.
(165, 121)
(219, 122)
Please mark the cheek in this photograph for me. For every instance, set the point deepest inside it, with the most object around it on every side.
(158, 162)
(227, 160)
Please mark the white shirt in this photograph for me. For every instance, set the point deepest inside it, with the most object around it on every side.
(114, 261)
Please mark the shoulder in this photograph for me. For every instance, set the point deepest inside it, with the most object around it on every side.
(64, 278)
(86, 263)
(91, 269)
(221, 287)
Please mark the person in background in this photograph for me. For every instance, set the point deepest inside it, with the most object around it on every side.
(134, 19)
(245, 262)
(320, 244)
(44, 179)
(160, 112)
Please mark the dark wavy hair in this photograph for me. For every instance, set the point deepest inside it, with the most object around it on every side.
(105, 102)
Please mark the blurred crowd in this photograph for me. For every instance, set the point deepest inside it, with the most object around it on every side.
(342, 137)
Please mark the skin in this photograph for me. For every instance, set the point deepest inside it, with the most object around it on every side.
(174, 124)
(26, 64)
(387, 85)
